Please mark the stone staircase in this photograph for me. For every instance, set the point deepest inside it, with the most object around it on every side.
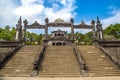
(97, 62)
(21, 63)
(59, 61)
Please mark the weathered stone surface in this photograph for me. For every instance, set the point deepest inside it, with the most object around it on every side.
(97, 63)
(114, 52)
(68, 78)
(59, 61)
(21, 64)
(4, 52)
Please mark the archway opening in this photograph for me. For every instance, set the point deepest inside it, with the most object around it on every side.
(58, 43)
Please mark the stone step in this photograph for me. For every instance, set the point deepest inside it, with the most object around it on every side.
(59, 75)
(22, 62)
(59, 61)
(97, 62)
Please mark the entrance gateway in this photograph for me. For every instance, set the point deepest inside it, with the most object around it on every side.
(59, 37)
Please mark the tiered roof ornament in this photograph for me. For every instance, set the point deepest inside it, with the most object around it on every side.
(35, 24)
(82, 22)
(59, 20)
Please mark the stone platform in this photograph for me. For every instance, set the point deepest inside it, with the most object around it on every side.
(68, 78)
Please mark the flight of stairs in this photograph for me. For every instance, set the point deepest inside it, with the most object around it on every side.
(59, 61)
(97, 62)
(21, 63)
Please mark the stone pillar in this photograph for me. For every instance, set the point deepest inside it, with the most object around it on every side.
(99, 30)
(93, 29)
(46, 28)
(72, 29)
(19, 30)
(24, 32)
(17, 38)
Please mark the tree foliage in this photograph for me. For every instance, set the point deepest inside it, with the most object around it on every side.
(7, 34)
(113, 30)
(33, 38)
(84, 38)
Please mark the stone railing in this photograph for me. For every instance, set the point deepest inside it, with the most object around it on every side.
(109, 43)
(115, 58)
(10, 44)
(8, 49)
(38, 62)
(7, 55)
(81, 62)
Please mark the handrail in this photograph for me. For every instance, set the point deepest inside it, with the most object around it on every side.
(8, 56)
(111, 57)
(10, 43)
(109, 43)
(38, 62)
(81, 62)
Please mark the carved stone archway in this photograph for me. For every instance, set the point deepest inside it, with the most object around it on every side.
(97, 32)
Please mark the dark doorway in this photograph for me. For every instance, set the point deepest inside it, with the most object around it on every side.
(58, 43)
(63, 43)
(53, 44)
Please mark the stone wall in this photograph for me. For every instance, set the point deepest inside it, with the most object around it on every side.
(4, 52)
(114, 52)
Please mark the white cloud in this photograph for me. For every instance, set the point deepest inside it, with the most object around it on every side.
(66, 12)
(30, 8)
(32, 11)
(35, 10)
(26, 2)
(27, 10)
(63, 2)
(113, 19)
(7, 17)
(52, 15)
(106, 21)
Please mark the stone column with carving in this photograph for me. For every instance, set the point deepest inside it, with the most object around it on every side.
(46, 28)
(93, 29)
(72, 29)
(24, 31)
(99, 30)
(19, 30)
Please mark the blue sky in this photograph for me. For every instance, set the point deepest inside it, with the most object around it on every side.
(88, 9)
(32, 10)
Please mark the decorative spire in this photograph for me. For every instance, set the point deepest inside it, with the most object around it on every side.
(71, 20)
(46, 20)
(98, 21)
(93, 22)
(25, 22)
(19, 21)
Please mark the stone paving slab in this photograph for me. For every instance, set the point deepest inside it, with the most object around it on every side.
(68, 78)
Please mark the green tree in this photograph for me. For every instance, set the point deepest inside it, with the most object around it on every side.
(79, 37)
(113, 30)
(7, 27)
(88, 38)
(1, 30)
